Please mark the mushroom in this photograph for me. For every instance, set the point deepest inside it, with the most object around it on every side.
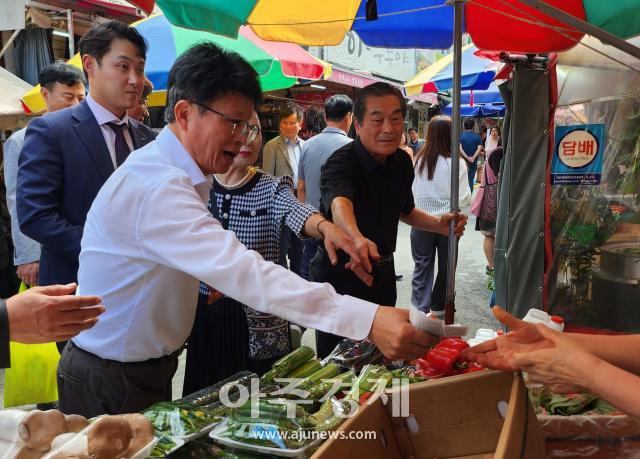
(39, 428)
(70, 443)
(109, 438)
(9, 422)
(65, 455)
(142, 432)
(28, 453)
(75, 422)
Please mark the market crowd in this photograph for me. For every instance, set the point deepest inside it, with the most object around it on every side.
(176, 238)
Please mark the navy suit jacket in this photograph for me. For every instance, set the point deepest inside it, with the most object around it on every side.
(63, 164)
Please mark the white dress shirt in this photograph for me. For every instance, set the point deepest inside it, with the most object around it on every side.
(104, 116)
(149, 238)
(294, 150)
(434, 196)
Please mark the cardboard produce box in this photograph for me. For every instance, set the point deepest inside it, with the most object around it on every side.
(595, 436)
(456, 417)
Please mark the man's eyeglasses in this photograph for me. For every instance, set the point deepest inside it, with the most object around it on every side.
(240, 127)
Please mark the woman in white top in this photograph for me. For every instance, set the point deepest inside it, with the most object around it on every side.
(432, 193)
(493, 141)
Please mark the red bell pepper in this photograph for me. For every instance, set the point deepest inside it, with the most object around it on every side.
(472, 367)
(426, 370)
(442, 359)
(453, 343)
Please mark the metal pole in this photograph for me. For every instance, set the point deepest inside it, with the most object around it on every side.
(582, 26)
(9, 41)
(72, 45)
(450, 310)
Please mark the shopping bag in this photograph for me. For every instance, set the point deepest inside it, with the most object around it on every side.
(476, 204)
(32, 376)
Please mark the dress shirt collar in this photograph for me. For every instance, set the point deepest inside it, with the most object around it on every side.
(292, 143)
(171, 146)
(102, 115)
(334, 130)
(366, 158)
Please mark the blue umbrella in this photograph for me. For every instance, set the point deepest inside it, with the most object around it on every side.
(477, 73)
(489, 96)
(477, 111)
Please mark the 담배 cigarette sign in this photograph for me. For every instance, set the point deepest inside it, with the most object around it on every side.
(577, 159)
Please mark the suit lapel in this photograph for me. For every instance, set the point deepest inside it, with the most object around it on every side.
(91, 136)
(284, 151)
(139, 137)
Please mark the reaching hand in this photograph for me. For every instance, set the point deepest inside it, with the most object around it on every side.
(367, 251)
(335, 238)
(52, 313)
(499, 353)
(396, 338)
(564, 367)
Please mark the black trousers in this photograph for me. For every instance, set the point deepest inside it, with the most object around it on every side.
(89, 385)
(383, 290)
(291, 247)
(219, 345)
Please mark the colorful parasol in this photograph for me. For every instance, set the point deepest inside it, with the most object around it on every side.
(279, 65)
(477, 73)
(504, 25)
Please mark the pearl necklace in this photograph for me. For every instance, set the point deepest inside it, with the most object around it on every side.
(242, 182)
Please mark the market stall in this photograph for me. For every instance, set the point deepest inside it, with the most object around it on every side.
(290, 410)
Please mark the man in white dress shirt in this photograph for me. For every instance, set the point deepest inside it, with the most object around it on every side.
(149, 238)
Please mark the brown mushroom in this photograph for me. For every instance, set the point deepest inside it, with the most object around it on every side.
(28, 453)
(63, 455)
(142, 432)
(39, 428)
(75, 422)
(109, 438)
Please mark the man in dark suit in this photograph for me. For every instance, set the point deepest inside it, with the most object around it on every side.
(68, 155)
(43, 315)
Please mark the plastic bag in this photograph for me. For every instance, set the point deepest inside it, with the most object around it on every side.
(179, 419)
(32, 376)
(354, 355)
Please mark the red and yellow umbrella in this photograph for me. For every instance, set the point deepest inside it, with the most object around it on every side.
(503, 25)
(279, 65)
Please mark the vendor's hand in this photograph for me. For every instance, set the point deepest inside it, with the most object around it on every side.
(461, 222)
(499, 353)
(28, 273)
(51, 313)
(213, 295)
(564, 368)
(396, 338)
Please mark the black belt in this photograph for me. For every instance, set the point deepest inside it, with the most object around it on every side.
(156, 361)
(384, 260)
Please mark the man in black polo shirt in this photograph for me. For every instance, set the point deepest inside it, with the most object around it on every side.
(366, 189)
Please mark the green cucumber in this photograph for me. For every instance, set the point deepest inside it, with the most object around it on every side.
(287, 364)
(327, 372)
(318, 391)
(306, 369)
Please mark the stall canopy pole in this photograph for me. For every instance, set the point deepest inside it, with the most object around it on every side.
(584, 27)
(449, 310)
(72, 45)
